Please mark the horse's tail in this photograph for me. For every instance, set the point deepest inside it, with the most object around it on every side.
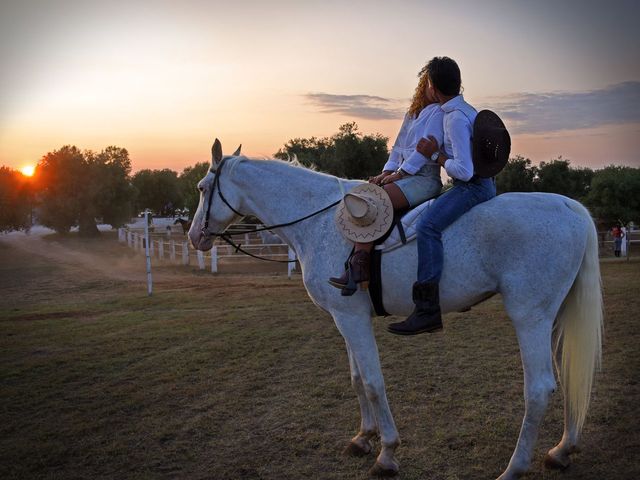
(578, 329)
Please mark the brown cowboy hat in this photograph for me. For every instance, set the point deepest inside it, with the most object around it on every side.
(491, 144)
(365, 213)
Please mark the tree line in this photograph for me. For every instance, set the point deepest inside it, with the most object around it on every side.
(72, 187)
(78, 188)
(612, 194)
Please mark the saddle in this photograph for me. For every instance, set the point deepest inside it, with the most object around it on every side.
(402, 232)
(403, 229)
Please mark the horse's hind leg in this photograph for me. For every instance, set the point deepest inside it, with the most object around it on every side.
(534, 337)
(558, 456)
(361, 445)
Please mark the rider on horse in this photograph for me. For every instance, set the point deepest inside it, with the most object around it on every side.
(408, 177)
(468, 190)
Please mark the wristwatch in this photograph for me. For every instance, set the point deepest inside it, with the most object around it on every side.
(434, 156)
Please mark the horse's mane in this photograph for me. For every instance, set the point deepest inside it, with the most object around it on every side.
(291, 161)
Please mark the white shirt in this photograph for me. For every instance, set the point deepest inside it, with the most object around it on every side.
(458, 129)
(403, 153)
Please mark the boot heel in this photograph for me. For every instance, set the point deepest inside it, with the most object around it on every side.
(351, 286)
(347, 292)
(364, 285)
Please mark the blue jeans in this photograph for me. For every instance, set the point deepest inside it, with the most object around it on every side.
(446, 209)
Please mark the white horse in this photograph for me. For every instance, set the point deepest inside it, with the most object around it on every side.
(267, 237)
(269, 241)
(539, 251)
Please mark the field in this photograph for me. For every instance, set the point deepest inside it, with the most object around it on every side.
(241, 377)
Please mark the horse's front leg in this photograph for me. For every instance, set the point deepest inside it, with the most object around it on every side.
(361, 444)
(357, 331)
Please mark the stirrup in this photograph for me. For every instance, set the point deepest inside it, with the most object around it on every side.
(351, 286)
(348, 289)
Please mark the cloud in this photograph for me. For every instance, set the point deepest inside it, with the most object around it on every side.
(359, 106)
(549, 112)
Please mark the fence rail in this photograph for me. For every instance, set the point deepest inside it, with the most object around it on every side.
(175, 248)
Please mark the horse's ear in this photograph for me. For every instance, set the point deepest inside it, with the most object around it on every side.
(216, 154)
(237, 152)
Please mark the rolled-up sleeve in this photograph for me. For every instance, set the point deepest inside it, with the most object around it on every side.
(395, 157)
(433, 128)
(394, 161)
(461, 165)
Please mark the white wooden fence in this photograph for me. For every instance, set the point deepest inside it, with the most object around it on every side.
(175, 248)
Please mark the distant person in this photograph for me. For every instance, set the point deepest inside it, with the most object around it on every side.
(468, 190)
(409, 177)
(618, 234)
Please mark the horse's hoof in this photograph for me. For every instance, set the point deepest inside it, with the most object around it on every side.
(355, 450)
(555, 463)
(508, 476)
(381, 471)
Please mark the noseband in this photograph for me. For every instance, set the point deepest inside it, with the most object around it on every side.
(216, 183)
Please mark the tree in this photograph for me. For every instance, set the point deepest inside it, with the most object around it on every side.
(188, 180)
(518, 175)
(115, 194)
(615, 195)
(15, 200)
(310, 152)
(62, 183)
(158, 190)
(557, 176)
(347, 154)
(76, 187)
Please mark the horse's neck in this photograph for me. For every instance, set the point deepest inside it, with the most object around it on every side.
(277, 193)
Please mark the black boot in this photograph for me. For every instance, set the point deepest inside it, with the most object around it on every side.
(426, 316)
(356, 272)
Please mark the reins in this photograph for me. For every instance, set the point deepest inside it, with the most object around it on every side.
(226, 237)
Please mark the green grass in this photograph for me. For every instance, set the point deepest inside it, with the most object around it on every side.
(240, 376)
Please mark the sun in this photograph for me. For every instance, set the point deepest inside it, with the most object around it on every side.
(28, 170)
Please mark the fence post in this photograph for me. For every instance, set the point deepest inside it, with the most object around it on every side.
(172, 250)
(147, 253)
(200, 256)
(185, 253)
(130, 238)
(214, 259)
(161, 249)
(151, 248)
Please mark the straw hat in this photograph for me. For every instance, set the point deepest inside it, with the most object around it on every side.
(365, 213)
(491, 144)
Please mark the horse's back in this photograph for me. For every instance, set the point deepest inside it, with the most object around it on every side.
(513, 241)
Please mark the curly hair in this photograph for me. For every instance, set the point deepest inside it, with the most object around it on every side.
(420, 100)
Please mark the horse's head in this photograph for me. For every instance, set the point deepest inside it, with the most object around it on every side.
(214, 215)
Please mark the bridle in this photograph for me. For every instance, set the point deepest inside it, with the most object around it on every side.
(226, 237)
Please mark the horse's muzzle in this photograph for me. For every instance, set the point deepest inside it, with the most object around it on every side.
(201, 240)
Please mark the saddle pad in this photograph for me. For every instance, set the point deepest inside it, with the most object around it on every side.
(409, 222)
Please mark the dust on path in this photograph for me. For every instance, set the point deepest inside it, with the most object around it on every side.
(112, 260)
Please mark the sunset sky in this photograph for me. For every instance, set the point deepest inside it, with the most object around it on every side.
(163, 78)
